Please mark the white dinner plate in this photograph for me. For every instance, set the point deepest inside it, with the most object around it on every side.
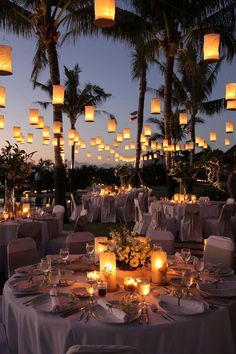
(182, 309)
(102, 315)
(221, 289)
(42, 303)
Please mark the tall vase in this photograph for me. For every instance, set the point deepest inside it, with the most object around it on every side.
(9, 199)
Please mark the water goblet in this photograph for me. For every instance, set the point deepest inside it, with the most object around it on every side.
(143, 288)
(55, 277)
(186, 255)
(64, 253)
(89, 249)
(45, 266)
(188, 280)
(198, 266)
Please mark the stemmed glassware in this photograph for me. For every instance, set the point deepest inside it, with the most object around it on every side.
(45, 266)
(89, 249)
(64, 253)
(186, 255)
(143, 288)
(199, 266)
(188, 280)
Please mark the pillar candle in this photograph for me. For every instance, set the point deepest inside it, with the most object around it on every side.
(108, 269)
(159, 267)
(99, 247)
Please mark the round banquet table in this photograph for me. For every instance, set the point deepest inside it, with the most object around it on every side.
(29, 331)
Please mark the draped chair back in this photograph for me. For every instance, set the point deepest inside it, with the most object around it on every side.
(158, 218)
(165, 238)
(129, 207)
(20, 252)
(102, 349)
(108, 209)
(219, 249)
(191, 227)
(224, 221)
(59, 212)
(138, 212)
(76, 242)
(31, 229)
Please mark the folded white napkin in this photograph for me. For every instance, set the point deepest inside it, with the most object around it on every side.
(118, 313)
(54, 299)
(178, 257)
(187, 306)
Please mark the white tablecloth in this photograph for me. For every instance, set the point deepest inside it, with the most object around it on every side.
(31, 332)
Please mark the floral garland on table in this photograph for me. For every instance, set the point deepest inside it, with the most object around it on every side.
(131, 251)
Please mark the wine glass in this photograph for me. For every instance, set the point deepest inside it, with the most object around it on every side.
(157, 247)
(143, 288)
(64, 253)
(45, 266)
(89, 249)
(198, 266)
(188, 280)
(55, 277)
(186, 255)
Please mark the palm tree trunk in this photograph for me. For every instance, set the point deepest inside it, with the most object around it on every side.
(192, 132)
(142, 92)
(72, 151)
(59, 172)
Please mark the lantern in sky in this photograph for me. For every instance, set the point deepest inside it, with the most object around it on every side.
(213, 136)
(104, 13)
(165, 143)
(89, 113)
(98, 140)
(33, 116)
(99, 157)
(89, 154)
(126, 133)
(30, 138)
(231, 105)
(205, 145)
(5, 60)
(54, 141)
(76, 138)
(16, 132)
(183, 118)
(45, 141)
(230, 91)
(71, 134)
(119, 137)
(153, 145)
(155, 106)
(40, 124)
(83, 144)
(227, 141)
(132, 146)
(2, 97)
(58, 92)
(61, 141)
(57, 125)
(92, 142)
(111, 125)
(116, 144)
(142, 138)
(159, 145)
(2, 121)
(46, 133)
(126, 147)
(191, 145)
(211, 47)
(147, 130)
(229, 127)
(107, 147)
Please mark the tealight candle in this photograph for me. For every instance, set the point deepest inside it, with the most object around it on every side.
(130, 284)
(93, 276)
(193, 198)
(108, 269)
(144, 286)
(99, 247)
(90, 290)
(159, 267)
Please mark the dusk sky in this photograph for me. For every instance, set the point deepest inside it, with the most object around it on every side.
(103, 63)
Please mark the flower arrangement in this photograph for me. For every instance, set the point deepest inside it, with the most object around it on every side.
(131, 251)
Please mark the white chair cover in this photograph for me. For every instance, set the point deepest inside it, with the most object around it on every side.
(108, 209)
(75, 209)
(222, 225)
(91, 211)
(150, 201)
(219, 250)
(230, 201)
(59, 212)
(20, 252)
(34, 230)
(102, 349)
(190, 226)
(0, 308)
(165, 238)
(76, 242)
(142, 220)
(126, 212)
(4, 349)
(159, 220)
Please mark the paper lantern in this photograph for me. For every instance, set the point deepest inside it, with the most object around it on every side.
(177, 147)
(107, 147)
(16, 132)
(119, 137)
(88, 154)
(2, 121)
(142, 138)
(183, 118)
(54, 141)
(153, 145)
(76, 151)
(92, 142)
(186, 146)
(230, 93)
(89, 114)
(71, 142)
(116, 144)
(205, 145)
(40, 124)
(211, 47)
(231, 105)
(165, 143)
(132, 146)
(108, 158)
(126, 147)
(144, 148)
(191, 145)
(57, 126)
(229, 127)
(33, 116)
(104, 13)
(5, 60)
(117, 155)
(145, 158)
(227, 141)
(126, 133)
(83, 144)
(58, 92)
(147, 130)
(201, 142)
(159, 145)
(61, 141)
(99, 157)
(30, 138)
(213, 136)
(76, 138)
(71, 134)
(197, 139)
(155, 106)
(98, 140)
(155, 155)
(2, 97)
(46, 141)
(112, 151)
(46, 133)
(111, 125)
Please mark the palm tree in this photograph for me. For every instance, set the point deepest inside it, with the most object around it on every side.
(43, 20)
(76, 98)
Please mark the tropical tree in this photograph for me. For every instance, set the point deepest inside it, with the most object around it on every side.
(76, 98)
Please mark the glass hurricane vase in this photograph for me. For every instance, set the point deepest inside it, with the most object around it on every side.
(9, 199)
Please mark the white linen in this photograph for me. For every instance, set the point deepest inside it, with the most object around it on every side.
(186, 305)
(54, 299)
(118, 313)
(101, 349)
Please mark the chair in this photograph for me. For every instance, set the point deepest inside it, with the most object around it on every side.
(108, 209)
(59, 212)
(75, 208)
(230, 201)
(102, 349)
(76, 242)
(4, 349)
(190, 225)
(159, 221)
(222, 225)
(142, 220)
(0, 308)
(20, 252)
(34, 230)
(91, 211)
(126, 212)
(165, 238)
(219, 250)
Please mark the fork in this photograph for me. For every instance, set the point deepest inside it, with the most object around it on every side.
(155, 309)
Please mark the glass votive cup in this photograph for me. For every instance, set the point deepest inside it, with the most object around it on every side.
(102, 288)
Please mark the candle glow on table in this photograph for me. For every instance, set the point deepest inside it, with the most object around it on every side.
(130, 284)
(144, 287)
(159, 267)
(26, 209)
(90, 290)
(98, 247)
(108, 269)
(93, 276)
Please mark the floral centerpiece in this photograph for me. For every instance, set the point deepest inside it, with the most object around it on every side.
(15, 166)
(131, 251)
